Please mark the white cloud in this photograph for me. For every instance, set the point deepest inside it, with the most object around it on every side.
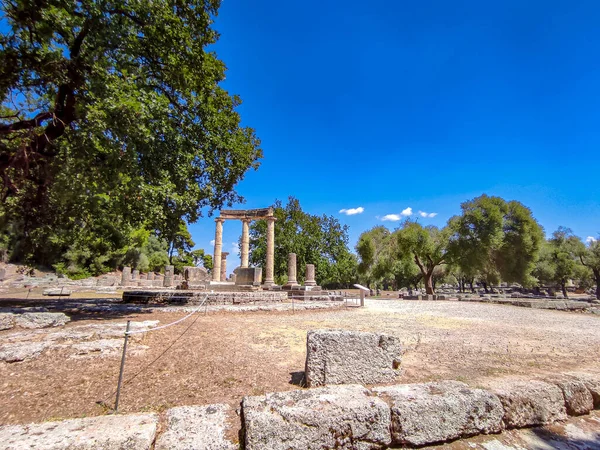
(590, 239)
(352, 211)
(425, 214)
(397, 217)
(235, 247)
(212, 242)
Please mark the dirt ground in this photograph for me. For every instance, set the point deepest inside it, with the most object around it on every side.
(224, 356)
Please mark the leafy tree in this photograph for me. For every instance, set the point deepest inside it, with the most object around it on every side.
(559, 259)
(374, 248)
(113, 110)
(494, 239)
(590, 258)
(427, 246)
(318, 240)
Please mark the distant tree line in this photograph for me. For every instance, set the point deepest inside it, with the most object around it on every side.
(492, 241)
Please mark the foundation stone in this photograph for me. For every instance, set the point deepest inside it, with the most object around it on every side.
(131, 432)
(436, 412)
(196, 427)
(340, 417)
(531, 403)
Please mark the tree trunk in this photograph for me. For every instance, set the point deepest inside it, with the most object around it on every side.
(471, 285)
(485, 287)
(597, 277)
(428, 278)
(171, 248)
(563, 286)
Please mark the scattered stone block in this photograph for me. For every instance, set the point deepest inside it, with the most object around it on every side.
(196, 427)
(57, 292)
(20, 351)
(345, 357)
(531, 403)
(340, 417)
(122, 432)
(41, 320)
(7, 321)
(437, 412)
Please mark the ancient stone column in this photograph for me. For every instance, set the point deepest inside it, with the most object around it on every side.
(224, 265)
(135, 274)
(245, 241)
(169, 272)
(216, 273)
(310, 275)
(291, 271)
(126, 276)
(270, 263)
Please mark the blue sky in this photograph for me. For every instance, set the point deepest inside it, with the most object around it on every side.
(389, 105)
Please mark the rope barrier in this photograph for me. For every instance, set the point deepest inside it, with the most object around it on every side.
(129, 333)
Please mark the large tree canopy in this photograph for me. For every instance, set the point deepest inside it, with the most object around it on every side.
(495, 240)
(113, 109)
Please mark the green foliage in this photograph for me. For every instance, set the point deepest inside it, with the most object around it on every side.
(495, 240)
(425, 245)
(113, 119)
(318, 240)
(560, 259)
(590, 258)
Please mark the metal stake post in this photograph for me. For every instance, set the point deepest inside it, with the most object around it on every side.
(122, 367)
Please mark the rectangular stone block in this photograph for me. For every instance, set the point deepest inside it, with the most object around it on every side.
(340, 417)
(248, 276)
(340, 357)
(430, 413)
(531, 403)
(135, 432)
(198, 428)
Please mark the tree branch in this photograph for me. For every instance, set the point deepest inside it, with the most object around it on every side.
(25, 124)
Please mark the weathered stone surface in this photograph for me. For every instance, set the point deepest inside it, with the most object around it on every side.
(41, 320)
(7, 321)
(20, 351)
(57, 292)
(592, 383)
(578, 399)
(196, 427)
(340, 356)
(436, 412)
(248, 276)
(341, 417)
(531, 403)
(128, 432)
